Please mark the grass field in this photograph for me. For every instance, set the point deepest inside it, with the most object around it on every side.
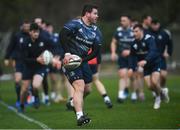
(127, 115)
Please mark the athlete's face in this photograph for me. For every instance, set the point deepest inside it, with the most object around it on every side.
(26, 27)
(138, 33)
(125, 22)
(155, 27)
(34, 34)
(93, 16)
(148, 21)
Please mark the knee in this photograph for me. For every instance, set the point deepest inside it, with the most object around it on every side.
(36, 84)
(79, 86)
(17, 79)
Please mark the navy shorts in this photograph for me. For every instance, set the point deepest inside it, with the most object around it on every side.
(163, 64)
(148, 70)
(132, 61)
(127, 62)
(94, 68)
(19, 67)
(82, 72)
(28, 73)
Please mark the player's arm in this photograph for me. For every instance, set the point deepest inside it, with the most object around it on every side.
(169, 47)
(10, 49)
(152, 52)
(95, 49)
(96, 46)
(113, 49)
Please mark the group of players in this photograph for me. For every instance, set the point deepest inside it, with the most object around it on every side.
(142, 52)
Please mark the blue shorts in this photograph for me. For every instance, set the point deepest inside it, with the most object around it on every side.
(163, 64)
(127, 62)
(93, 68)
(132, 63)
(148, 70)
(28, 73)
(82, 72)
(19, 67)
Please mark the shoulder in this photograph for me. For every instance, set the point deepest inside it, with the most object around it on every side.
(74, 22)
(167, 32)
(118, 29)
(147, 37)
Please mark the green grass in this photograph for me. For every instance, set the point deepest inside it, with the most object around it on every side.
(127, 115)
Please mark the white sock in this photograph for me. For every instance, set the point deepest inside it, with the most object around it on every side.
(32, 99)
(46, 97)
(106, 99)
(79, 114)
(121, 94)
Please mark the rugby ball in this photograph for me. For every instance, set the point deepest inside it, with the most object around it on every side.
(47, 57)
(74, 62)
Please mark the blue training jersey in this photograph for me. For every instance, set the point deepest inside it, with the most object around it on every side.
(163, 40)
(82, 37)
(124, 37)
(146, 49)
(14, 48)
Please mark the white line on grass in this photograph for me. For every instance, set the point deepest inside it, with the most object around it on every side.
(42, 125)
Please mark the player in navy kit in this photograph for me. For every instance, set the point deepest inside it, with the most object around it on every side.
(123, 39)
(77, 37)
(35, 69)
(165, 47)
(13, 51)
(145, 49)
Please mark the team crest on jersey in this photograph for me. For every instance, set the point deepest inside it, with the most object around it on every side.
(159, 37)
(131, 34)
(119, 34)
(29, 45)
(143, 44)
(135, 46)
(21, 40)
(41, 44)
(80, 30)
(93, 34)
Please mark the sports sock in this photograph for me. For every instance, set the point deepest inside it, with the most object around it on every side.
(79, 114)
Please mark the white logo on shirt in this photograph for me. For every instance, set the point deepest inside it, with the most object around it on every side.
(41, 44)
(21, 40)
(135, 46)
(159, 37)
(29, 45)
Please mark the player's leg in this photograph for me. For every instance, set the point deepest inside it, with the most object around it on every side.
(165, 89)
(45, 96)
(101, 89)
(77, 79)
(132, 77)
(60, 88)
(23, 94)
(79, 86)
(140, 84)
(18, 78)
(163, 78)
(123, 81)
(70, 93)
(36, 83)
(53, 80)
(155, 80)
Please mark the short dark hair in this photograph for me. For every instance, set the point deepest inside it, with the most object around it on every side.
(34, 26)
(128, 16)
(145, 16)
(88, 8)
(155, 21)
(138, 26)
